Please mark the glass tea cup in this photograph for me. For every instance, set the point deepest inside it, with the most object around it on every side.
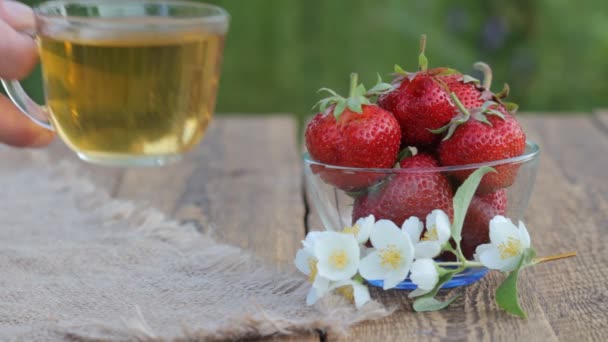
(127, 82)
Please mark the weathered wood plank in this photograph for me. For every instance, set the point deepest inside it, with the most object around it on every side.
(568, 211)
(243, 183)
(565, 300)
(602, 116)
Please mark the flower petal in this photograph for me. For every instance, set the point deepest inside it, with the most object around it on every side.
(427, 249)
(312, 296)
(311, 238)
(424, 274)
(524, 236)
(302, 261)
(321, 284)
(393, 278)
(338, 255)
(441, 221)
(365, 228)
(384, 233)
(361, 293)
(491, 259)
(480, 249)
(501, 229)
(371, 268)
(413, 227)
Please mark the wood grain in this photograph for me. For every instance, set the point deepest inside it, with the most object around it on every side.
(565, 300)
(569, 212)
(601, 116)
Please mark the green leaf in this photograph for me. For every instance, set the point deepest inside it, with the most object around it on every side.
(322, 104)
(380, 88)
(339, 108)
(447, 72)
(360, 91)
(488, 104)
(406, 153)
(423, 62)
(354, 104)
(511, 107)
(507, 295)
(328, 90)
(432, 304)
(504, 92)
(469, 79)
(481, 117)
(399, 70)
(428, 302)
(439, 130)
(495, 112)
(462, 199)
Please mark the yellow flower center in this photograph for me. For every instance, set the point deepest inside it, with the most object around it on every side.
(430, 234)
(338, 259)
(346, 292)
(510, 248)
(312, 264)
(352, 230)
(390, 256)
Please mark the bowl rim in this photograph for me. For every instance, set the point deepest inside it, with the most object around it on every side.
(531, 152)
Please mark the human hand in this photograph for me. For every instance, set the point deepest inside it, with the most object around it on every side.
(18, 56)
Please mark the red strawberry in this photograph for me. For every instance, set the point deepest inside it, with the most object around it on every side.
(483, 134)
(408, 194)
(353, 132)
(482, 209)
(422, 102)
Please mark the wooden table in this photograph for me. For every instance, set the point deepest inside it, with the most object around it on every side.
(244, 183)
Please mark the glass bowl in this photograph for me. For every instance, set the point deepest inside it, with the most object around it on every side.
(340, 195)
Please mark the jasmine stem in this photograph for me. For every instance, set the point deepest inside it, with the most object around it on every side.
(466, 263)
(554, 257)
(354, 78)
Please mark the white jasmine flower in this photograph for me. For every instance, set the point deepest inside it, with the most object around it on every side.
(353, 291)
(425, 275)
(506, 247)
(392, 256)
(337, 254)
(361, 229)
(436, 235)
(306, 263)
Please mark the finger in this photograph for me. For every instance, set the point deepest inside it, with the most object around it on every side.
(19, 16)
(18, 130)
(18, 51)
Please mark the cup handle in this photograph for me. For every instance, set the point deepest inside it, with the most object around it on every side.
(29, 107)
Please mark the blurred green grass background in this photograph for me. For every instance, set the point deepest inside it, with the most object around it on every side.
(553, 53)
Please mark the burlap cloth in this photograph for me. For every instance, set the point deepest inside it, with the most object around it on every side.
(76, 264)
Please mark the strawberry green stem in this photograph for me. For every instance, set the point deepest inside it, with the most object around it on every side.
(423, 62)
(460, 106)
(555, 257)
(487, 74)
(354, 78)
